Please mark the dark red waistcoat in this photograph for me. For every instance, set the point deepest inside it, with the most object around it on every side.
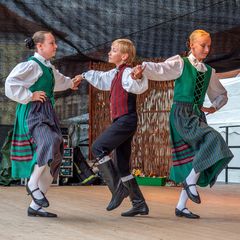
(121, 101)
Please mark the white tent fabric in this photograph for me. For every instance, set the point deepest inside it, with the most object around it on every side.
(229, 115)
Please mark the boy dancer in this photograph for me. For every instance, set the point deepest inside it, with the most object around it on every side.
(118, 136)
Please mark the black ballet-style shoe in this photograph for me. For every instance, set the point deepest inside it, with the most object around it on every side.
(194, 198)
(43, 202)
(36, 213)
(181, 213)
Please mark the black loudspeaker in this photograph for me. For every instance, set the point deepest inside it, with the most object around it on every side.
(82, 172)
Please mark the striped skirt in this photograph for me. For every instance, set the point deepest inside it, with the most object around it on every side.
(36, 138)
(195, 145)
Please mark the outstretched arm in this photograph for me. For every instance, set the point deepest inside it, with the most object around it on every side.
(229, 74)
(136, 86)
(61, 82)
(99, 79)
(170, 69)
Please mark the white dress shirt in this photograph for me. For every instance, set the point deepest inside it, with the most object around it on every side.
(25, 74)
(103, 80)
(172, 69)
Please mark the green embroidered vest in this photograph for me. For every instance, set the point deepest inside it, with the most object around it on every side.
(45, 82)
(192, 85)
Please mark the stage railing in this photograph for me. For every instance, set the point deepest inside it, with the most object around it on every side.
(230, 146)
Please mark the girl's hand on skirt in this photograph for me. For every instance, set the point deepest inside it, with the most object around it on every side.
(209, 110)
(39, 96)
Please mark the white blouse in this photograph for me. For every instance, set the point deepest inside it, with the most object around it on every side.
(103, 80)
(25, 74)
(172, 69)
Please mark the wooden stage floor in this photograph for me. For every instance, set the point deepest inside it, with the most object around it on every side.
(82, 215)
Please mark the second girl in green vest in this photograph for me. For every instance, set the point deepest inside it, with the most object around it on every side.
(37, 148)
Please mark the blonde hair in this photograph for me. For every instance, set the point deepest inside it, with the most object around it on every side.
(197, 33)
(126, 46)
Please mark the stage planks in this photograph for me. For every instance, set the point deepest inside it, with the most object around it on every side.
(82, 215)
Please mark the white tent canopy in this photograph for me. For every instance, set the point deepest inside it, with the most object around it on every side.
(230, 113)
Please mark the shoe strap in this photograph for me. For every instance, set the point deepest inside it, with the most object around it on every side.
(42, 193)
(39, 208)
(189, 185)
(184, 209)
(35, 190)
(187, 210)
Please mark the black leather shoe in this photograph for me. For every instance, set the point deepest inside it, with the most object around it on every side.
(43, 202)
(194, 198)
(139, 208)
(36, 213)
(181, 213)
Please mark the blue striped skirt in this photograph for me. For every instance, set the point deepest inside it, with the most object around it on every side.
(195, 145)
(37, 139)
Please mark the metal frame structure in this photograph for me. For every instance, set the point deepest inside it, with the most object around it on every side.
(230, 146)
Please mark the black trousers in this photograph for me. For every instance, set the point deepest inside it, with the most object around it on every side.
(118, 138)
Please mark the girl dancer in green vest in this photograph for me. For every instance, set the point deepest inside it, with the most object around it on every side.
(199, 152)
(36, 150)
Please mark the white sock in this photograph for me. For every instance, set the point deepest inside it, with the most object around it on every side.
(34, 206)
(45, 180)
(34, 179)
(192, 178)
(127, 178)
(104, 159)
(182, 202)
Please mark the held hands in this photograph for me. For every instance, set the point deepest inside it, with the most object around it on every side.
(209, 110)
(76, 81)
(39, 96)
(137, 72)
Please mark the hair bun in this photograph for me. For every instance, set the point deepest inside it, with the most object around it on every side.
(29, 43)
